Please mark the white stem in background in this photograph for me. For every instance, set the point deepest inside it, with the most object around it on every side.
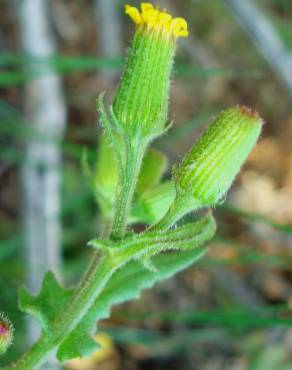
(266, 38)
(45, 113)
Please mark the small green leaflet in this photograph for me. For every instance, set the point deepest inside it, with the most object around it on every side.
(45, 306)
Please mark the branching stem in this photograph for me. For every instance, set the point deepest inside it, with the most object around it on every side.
(98, 274)
(179, 208)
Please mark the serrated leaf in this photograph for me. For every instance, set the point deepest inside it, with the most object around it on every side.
(46, 305)
(126, 284)
(78, 344)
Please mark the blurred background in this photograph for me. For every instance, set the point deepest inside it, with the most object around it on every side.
(232, 311)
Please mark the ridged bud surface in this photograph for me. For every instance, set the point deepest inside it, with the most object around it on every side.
(141, 100)
(208, 170)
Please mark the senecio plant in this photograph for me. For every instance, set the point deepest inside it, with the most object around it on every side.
(128, 186)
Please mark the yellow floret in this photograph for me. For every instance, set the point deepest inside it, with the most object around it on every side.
(160, 21)
(133, 13)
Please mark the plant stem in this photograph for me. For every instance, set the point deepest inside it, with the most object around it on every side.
(180, 207)
(72, 315)
(97, 275)
(127, 184)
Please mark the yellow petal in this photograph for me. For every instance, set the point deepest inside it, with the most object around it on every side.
(150, 17)
(145, 7)
(133, 13)
(179, 27)
(164, 18)
(159, 21)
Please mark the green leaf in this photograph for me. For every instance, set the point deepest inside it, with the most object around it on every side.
(79, 343)
(126, 284)
(46, 305)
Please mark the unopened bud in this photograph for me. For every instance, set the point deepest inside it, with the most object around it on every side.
(208, 170)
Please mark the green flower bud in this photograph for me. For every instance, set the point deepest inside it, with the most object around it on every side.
(6, 333)
(141, 102)
(208, 170)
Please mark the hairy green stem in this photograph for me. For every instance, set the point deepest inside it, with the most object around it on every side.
(97, 275)
(127, 183)
(92, 284)
(104, 233)
(180, 207)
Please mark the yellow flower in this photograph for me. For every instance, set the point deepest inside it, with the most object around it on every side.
(160, 21)
(140, 105)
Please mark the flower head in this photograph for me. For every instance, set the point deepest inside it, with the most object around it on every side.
(6, 333)
(208, 170)
(141, 101)
(162, 22)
